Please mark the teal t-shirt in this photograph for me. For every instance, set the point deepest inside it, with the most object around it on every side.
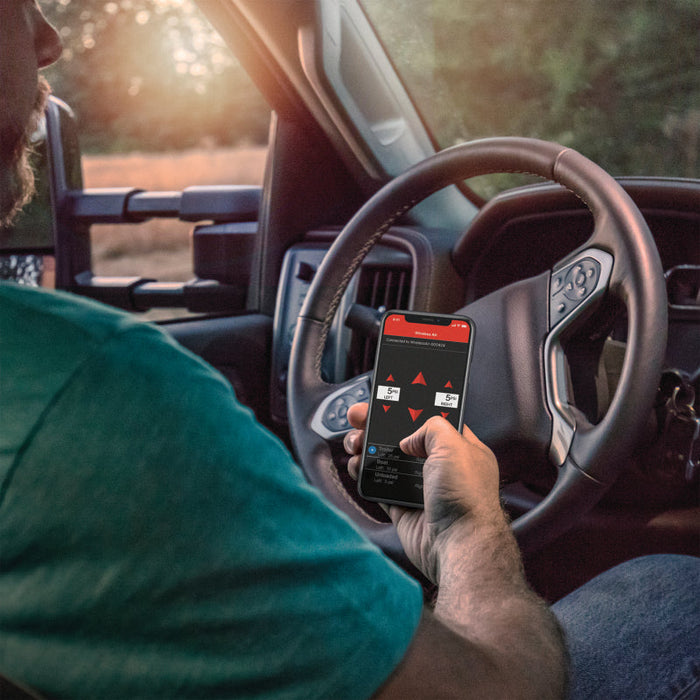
(156, 541)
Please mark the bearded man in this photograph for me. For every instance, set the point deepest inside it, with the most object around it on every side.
(159, 543)
(16, 174)
(23, 96)
(22, 102)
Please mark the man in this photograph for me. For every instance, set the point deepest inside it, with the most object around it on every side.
(146, 552)
(24, 97)
(156, 542)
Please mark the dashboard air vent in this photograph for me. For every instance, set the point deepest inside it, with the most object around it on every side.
(381, 288)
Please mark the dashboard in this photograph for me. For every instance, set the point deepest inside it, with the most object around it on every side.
(519, 234)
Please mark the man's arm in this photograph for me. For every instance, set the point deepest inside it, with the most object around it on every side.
(489, 635)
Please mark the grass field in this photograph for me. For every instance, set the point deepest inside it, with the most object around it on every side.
(160, 248)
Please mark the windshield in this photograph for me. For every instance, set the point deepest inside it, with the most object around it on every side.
(618, 80)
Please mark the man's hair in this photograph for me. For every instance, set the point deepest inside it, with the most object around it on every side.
(15, 150)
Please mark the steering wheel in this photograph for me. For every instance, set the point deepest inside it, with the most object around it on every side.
(518, 383)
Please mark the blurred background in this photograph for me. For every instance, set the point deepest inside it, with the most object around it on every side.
(162, 103)
(151, 75)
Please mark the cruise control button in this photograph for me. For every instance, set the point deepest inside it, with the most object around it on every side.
(570, 287)
(361, 393)
(581, 280)
(335, 423)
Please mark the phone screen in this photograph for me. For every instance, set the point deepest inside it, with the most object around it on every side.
(420, 371)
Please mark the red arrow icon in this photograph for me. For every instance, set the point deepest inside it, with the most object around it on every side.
(415, 412)
(385, 407)
(449, 385)
(420, 379)
(444, 414)
(390, 378)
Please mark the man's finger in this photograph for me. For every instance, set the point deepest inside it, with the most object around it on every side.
(357, 415)
(354, 467)
(352, 442)
(420, 443)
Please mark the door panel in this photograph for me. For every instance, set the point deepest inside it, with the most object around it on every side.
(237, 346)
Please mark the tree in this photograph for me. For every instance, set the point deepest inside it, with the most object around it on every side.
(152, 75)
(617, 79)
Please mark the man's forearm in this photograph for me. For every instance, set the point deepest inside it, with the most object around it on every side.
(483, 596)
(489, 635)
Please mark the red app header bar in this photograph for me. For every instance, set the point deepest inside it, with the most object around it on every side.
(456, 332)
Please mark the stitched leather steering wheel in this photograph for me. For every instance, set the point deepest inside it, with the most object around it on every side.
(518, 356)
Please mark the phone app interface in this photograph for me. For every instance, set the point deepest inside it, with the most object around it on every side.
(420, 372)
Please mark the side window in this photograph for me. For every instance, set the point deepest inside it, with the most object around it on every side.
(161, 105)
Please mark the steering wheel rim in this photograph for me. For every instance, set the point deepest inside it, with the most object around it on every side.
(628, 267)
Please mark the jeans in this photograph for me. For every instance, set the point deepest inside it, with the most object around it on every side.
(634, 631)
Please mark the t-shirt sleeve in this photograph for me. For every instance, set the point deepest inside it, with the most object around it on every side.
(164, 544)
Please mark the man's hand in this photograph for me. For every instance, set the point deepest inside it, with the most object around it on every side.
(488, 635)
(460, 484)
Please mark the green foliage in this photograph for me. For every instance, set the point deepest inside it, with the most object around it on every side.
(151, 75)
(617, 79)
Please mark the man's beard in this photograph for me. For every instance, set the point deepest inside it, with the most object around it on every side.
(16, 175)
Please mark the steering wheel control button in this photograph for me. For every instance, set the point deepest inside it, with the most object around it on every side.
(571, 286)
(361, 393)
(335, 422)
(335, 417)
(331, 419)
(557, 283)
(581, 279)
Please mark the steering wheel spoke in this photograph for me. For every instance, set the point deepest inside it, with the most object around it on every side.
(330, 421)
(575, 287)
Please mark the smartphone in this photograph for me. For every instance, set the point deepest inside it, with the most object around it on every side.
(421, 370)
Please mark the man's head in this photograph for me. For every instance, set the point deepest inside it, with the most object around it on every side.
(27, 43)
